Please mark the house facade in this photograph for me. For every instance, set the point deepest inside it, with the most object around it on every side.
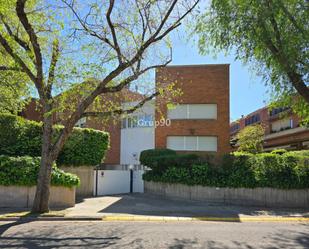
(198, 122)
(282, 128)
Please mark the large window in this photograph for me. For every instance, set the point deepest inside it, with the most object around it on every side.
(193, 111)
(192, 143)
(281, 125)
(252, 119)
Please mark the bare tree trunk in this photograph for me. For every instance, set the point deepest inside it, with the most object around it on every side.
(41, 199)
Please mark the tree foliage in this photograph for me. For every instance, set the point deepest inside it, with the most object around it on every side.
(250, 139)
(271, 35)
(107, 45)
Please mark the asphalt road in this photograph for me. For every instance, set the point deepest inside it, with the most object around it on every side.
(172, 235)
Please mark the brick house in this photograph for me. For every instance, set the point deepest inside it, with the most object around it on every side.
(198, 124)
(282, 128)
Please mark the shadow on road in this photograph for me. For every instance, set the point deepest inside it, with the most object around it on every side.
(34, 238)
(145, 204)
(289, 240)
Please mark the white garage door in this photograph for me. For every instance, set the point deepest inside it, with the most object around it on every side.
(110, 182)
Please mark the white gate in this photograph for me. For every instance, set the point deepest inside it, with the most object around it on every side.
(109, 182)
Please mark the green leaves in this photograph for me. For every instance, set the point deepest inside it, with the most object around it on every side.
(23, 171)
(272, 36)
(20, 137)
(243, 170)
(250, 139)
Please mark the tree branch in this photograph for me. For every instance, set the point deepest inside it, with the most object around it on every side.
(291, 18)
(120, 111)
(295, 78)
(22, 43)
(112, 28)
(5, 68)
(53, 63)
(20, 10)
(70, 122)
(16, 58)
(274, 24)
(86, 28)
(131, 78)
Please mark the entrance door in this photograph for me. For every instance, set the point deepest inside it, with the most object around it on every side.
(110, 182)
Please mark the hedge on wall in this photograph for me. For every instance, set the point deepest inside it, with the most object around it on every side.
(20, 137)
(147, 156)
(23, 171)
(161, 159)
(287, 171)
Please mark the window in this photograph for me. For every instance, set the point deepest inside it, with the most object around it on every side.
(175, 143)
(234, 128)
(281, 125)
(192, 143)
(193, 111)
(81, 123)
(278, 110)
(180, 112)
(252, 119)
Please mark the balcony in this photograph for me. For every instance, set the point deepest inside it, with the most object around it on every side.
(286, 132)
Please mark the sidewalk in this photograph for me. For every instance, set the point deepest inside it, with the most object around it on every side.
(145, 207)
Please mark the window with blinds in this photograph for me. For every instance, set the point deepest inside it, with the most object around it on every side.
(193, 111)
(192, 143)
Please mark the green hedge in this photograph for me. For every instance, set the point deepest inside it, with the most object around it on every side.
(243, 170)
(147, 156)
(20, 137)
(161, 159)
(23, 171)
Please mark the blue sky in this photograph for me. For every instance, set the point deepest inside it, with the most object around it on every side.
(247, 91)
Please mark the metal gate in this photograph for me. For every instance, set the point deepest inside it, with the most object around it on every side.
(118, 179)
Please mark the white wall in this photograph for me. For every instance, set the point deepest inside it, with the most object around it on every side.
(135, 140)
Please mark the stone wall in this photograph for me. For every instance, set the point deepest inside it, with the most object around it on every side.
(86, 176)
(22, 196)
(265, 197)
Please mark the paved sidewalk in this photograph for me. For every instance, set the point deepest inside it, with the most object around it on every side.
(151, 205)
(146, 207)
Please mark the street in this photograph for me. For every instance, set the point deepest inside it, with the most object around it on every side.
(99, 234)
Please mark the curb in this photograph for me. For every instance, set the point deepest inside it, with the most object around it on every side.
(133, 218)
(63, 218)
(222, 219)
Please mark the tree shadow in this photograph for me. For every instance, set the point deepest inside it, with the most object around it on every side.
(34, 242)
(48, 240)
(290, 239)
(147, 204)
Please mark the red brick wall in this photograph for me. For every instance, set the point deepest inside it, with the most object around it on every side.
(32, 111)
(113, 128)
(204, 84)
(267, 120)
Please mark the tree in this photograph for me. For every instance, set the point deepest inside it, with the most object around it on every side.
(250, 139)
(66, 42)
(13, 96)
(273, 35)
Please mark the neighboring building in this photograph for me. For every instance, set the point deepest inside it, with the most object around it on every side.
(198, 124)
(282, 128)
